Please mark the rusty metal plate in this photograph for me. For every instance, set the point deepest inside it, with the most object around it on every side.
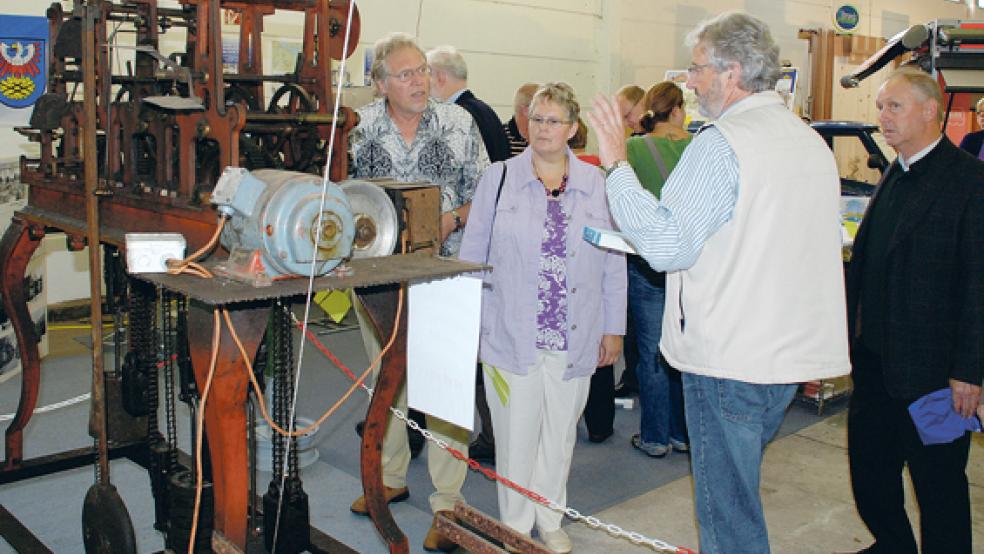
(366, 272)
(486, 528)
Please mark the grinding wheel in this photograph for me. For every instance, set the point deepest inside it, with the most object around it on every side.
(376, 224)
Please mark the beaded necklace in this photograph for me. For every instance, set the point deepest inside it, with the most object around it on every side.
(557, 191)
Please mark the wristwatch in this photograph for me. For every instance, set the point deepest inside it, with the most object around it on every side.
(457, 220)
(617, 164)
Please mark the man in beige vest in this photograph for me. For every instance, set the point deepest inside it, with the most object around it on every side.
(748, 232)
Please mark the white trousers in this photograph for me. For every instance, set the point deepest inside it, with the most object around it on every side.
(535, 432)
(447, 474)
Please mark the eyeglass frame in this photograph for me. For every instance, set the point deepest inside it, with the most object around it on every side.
(407, 75)
(695, 68)
(549, 122)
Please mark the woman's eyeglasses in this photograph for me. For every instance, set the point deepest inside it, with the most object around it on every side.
(547, 122)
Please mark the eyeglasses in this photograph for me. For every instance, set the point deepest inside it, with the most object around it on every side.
(547, 122)
(697, 68)
(407, 74)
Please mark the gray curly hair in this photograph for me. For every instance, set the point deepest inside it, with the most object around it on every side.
(561, 94)
(386, 46)
(736, 37)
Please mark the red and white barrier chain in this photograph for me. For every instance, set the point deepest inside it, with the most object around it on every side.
(590, 521)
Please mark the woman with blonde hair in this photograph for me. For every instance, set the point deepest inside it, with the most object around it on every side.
(653, 156)
(630, 104)
(553, 308)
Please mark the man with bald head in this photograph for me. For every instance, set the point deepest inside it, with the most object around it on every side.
(518, 127)
(915, 290)
(449, 83)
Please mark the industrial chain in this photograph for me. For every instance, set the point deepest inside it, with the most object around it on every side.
(282, 355)
(169, 380)
(166, 361)
(275, 361)
(293, 484)
(142, 315)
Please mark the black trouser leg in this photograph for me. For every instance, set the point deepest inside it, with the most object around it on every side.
(599, 412)
(940, 481)
(877, 460)
(486, 436)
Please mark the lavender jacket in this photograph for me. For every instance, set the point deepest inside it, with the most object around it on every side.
(596, 282)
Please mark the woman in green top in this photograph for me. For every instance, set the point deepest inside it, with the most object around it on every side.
(653, 156)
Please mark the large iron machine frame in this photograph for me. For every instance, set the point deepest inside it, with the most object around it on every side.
(159, 134)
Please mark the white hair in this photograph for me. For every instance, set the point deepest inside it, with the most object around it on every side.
(447, 58)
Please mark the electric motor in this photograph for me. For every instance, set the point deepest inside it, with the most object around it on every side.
(280, 215)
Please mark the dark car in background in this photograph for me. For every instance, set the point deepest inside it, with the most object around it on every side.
(851, 134)
(848, 135)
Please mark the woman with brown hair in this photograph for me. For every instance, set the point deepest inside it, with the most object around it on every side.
(653, 156)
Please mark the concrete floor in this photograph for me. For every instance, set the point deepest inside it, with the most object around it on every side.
(806, 492)
(805, 486)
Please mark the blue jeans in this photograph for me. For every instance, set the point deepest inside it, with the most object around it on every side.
(660, 396)
(730, 424)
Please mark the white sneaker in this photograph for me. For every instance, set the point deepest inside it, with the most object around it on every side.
(557, 541)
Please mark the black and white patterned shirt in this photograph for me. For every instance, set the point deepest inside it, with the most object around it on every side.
(447, 150)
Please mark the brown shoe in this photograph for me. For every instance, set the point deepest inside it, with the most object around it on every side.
(392, 495)
(435, 541)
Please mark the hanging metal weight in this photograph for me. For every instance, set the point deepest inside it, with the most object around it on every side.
(181, 508)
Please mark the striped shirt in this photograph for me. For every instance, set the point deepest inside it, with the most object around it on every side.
(516, 141)
(698, 198)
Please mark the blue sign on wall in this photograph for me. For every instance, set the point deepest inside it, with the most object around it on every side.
(847, 18)
(23, 59)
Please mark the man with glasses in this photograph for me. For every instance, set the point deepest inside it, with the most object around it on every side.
(408, 136)
(747, 230)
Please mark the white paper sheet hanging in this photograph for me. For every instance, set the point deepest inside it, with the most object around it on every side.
(442, 347)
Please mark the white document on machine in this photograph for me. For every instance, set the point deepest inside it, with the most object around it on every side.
(442, 347)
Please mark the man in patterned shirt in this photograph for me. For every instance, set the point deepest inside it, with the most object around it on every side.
(407, 136)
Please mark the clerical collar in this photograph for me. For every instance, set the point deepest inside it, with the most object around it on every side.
(906, 164)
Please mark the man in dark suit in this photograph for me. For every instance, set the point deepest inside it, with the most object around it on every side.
(915, 290)
(449, 83)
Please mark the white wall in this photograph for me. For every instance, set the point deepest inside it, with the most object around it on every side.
(595, 45)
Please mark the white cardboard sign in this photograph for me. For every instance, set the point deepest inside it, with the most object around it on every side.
(442, 347)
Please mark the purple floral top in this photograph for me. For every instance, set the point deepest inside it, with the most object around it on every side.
(551, 308)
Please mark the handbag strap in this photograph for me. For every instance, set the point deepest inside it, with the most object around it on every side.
(657, 157)
(495, 208)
